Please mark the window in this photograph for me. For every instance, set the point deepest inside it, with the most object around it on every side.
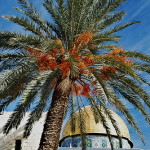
(1, 112)
(18, 145)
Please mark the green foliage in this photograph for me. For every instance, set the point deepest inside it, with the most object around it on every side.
(44, 94)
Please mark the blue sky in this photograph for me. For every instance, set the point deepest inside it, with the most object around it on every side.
(136, 38)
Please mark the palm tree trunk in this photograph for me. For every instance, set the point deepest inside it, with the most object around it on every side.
(55, 116)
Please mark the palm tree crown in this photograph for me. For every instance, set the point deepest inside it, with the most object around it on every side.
(76, 56)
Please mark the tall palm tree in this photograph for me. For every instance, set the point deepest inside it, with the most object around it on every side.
(71, 57)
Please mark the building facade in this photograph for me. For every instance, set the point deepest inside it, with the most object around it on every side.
(96, 134)
(96, 137)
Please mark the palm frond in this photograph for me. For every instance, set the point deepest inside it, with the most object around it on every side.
(95, 109)
(28, 25)
(133, 99)
(120, 27)
(104, 38)
(115, 125)
(111, 20)
(44, 94)
(24, 105)
(107, 7)
(14, 40)
(106, 126)
(82, 127)
(56, 16)
(115, 101)
(8, 78)
(138, 55)
(138, 90)
(71, 110)
(105, 46)
(30, 11)
(123, 67)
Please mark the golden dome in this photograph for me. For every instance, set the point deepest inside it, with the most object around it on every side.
(93, 127)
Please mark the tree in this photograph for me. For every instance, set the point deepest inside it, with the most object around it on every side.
(71, 57)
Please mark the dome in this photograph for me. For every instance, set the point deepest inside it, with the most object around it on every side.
(96, 128)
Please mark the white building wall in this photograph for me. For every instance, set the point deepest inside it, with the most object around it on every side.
(31, 143)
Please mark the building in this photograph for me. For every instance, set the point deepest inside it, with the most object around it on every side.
(96, 137)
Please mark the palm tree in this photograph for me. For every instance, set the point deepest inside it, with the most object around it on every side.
(73, 58)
